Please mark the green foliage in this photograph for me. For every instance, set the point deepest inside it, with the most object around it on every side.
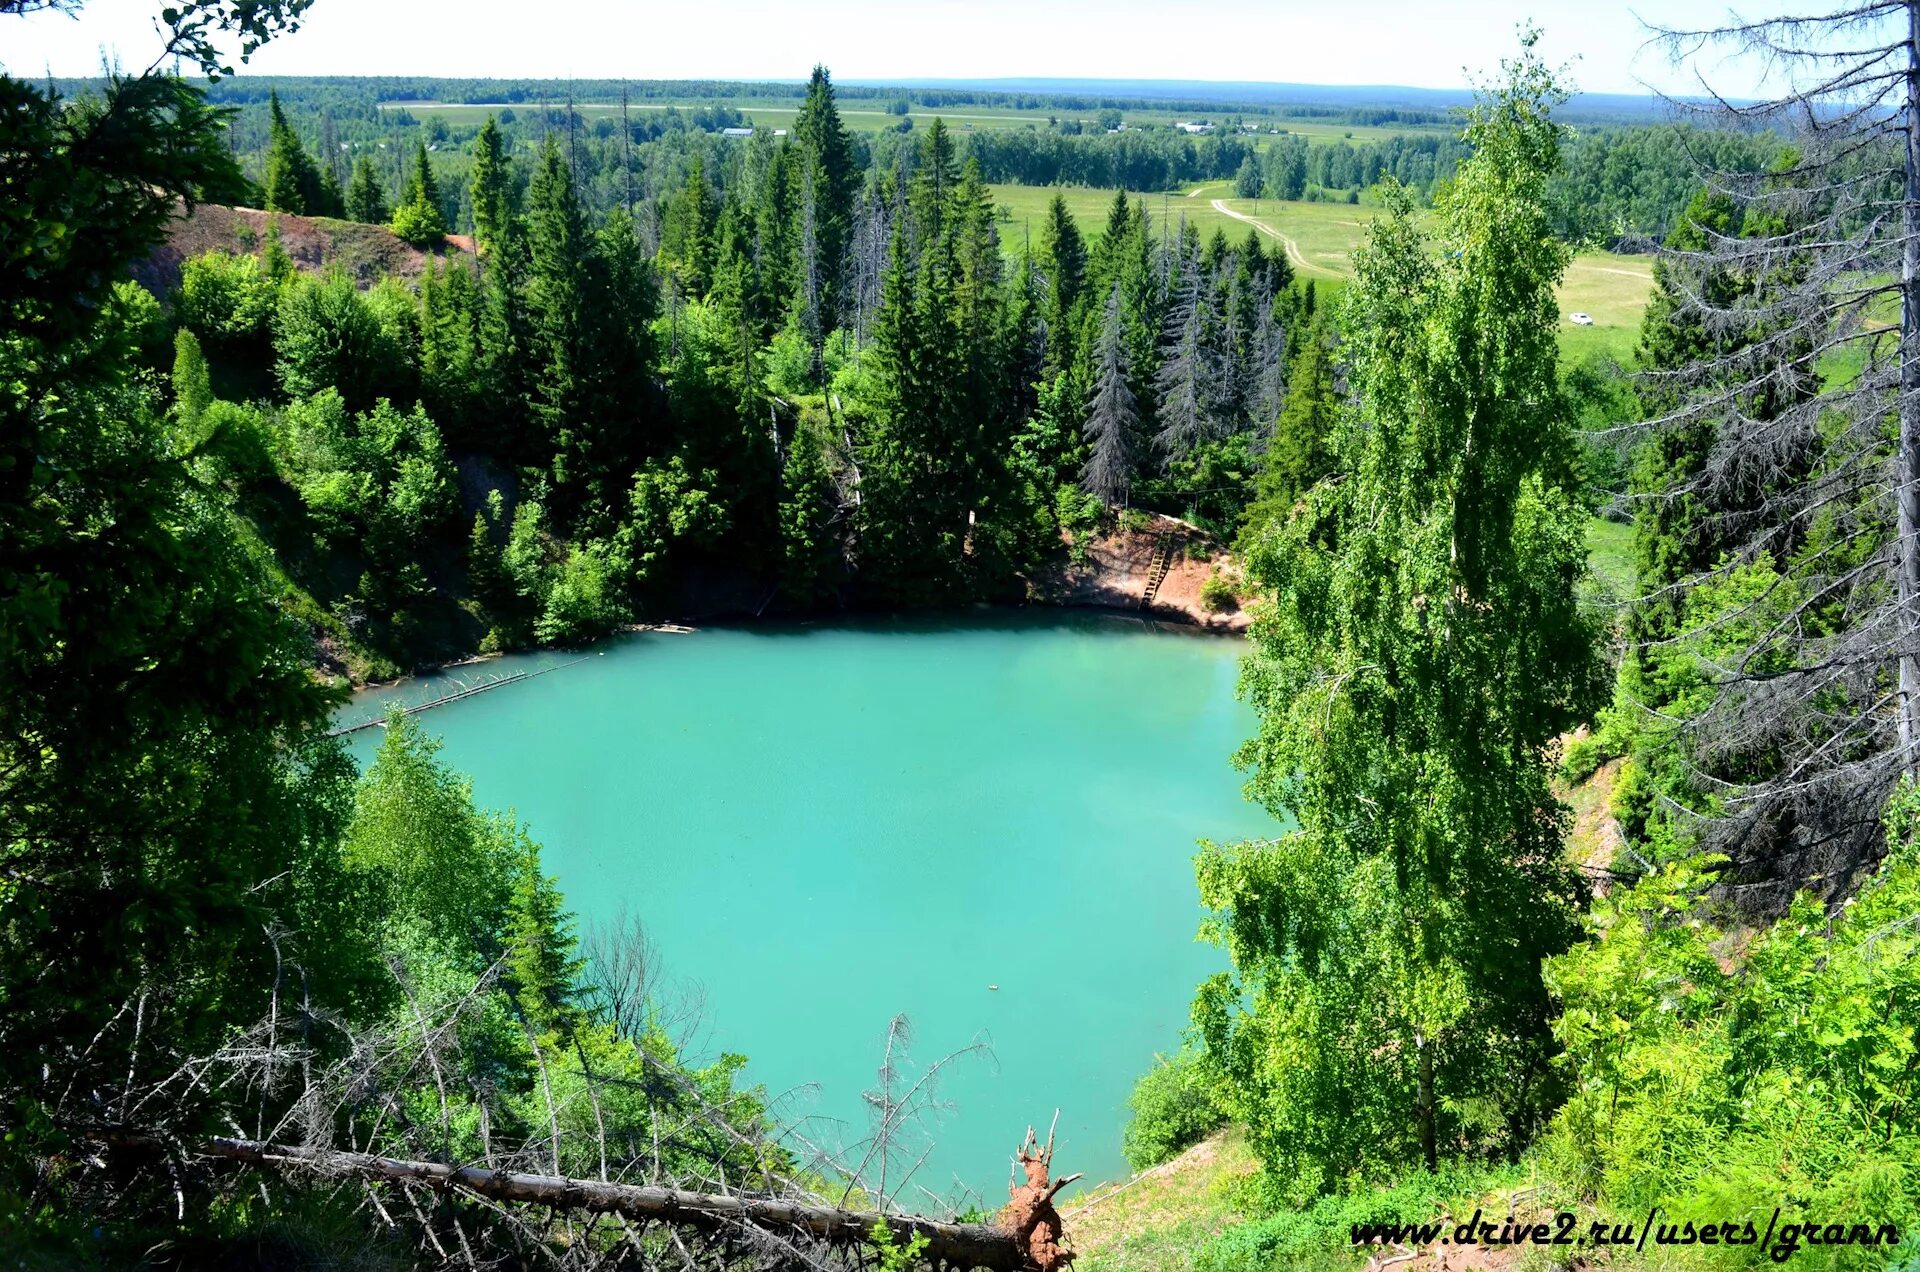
(1423, 649)
(891, 1256)
(366, 199)
(809, 508)
(379, 479)
(328, 335)
(671, 509)
(580, 602)
(1720, 1072)
(1217, 594)
(1320, 1236)
(1173, 1108)
(192, 383)
(226, 301)
(420, 219)
(292, 183)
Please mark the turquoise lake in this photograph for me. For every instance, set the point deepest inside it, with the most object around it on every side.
(822, 826)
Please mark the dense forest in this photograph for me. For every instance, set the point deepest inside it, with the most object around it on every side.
(826, 382)
(631, 370)
(1623, 181)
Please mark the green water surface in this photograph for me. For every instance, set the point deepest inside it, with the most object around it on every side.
(825, 825)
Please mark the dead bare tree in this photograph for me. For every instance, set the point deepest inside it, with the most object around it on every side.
(1807, 407)
(599, 1165)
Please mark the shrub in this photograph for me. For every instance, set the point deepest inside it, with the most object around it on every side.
(1173, 1108)
(1217, 595)
(1708, 1082)
(580, 604)
(225, 300)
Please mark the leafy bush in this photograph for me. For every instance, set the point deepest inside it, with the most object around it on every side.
(225, 300)
(1173, 1108)
(1714, 1083)
(329, 336)
(580, 602)
(1217, 595)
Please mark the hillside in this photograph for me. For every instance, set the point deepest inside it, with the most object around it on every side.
(315, 243)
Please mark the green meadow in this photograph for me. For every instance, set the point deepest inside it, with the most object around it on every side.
(1319, 239)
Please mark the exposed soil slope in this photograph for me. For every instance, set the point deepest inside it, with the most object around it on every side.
(314, 242)
(1115, 569)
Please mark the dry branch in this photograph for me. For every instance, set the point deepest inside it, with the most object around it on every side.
(960, 1245)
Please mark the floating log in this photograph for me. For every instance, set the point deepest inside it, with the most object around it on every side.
(444, 699)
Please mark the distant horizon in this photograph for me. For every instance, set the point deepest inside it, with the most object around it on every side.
(1274, 43)
(1246, 93)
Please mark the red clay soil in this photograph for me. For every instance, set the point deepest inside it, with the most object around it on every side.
(1118, 565)
(1029, 1217)
(315, 243)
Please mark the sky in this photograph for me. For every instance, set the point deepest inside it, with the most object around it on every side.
(1422, 43)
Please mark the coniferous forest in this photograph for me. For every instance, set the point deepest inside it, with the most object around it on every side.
(1583, 688)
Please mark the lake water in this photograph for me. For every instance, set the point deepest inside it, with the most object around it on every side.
(825, 825)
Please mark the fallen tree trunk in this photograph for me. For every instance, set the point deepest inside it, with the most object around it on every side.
(961, 1245)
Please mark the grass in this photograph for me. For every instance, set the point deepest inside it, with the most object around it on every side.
(1610, 554)
(1319, 239)
(1161, 1219)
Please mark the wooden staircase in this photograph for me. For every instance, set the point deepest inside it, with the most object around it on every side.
(1163, 550)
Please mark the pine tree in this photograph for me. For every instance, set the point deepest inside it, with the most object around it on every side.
(366, 202)
(1113, 419)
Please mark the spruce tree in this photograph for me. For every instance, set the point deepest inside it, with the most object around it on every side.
(420, 218)
(289, 173)
(366, 202)
(490, 188)
(1113, 418)
(825, 163)
(1063, 261)
(192, 383)
(543, 966)
(1185, 380)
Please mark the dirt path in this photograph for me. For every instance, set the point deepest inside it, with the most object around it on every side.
(1293, 248)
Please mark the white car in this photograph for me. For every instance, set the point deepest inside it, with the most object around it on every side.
(1580, 320)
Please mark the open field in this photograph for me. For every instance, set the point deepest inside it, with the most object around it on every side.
(868, 115)
(1319, 239)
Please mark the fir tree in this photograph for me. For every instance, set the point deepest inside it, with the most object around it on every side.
(1063, 262)
(543, 965)
(1186, 379)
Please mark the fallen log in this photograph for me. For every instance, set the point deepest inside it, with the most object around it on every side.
(960, 1245)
